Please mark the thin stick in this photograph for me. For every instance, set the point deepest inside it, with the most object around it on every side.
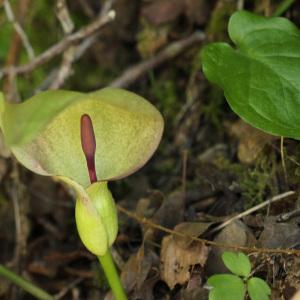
(240, 4)
(183, 176)
(252, 209)
(67, 24)
(283, 159)
(149, 223)
(9, 87)
(64, 44)
(67, 288)
(24, 284)
(18, 29)
(174, 49)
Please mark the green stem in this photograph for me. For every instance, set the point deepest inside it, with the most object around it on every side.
(24, 284)
(112, 276)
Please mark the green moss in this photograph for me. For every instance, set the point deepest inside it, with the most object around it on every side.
(258, 180)
(256, 183)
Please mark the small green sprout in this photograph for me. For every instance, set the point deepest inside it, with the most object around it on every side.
(85, 140)
(235, 286)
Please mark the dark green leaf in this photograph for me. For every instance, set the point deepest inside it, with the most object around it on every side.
(260, 78)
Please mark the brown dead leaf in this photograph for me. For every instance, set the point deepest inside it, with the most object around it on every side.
(279, 235)
(163, 11)
(296, 296)
(197, 11)
(251, 141)
(176, 261)
(190, 229)
(137, 269)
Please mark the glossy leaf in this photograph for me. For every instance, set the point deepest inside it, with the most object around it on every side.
(237, 262)
(44, 132)
(260, 77)
(226, 287)
(258, 289)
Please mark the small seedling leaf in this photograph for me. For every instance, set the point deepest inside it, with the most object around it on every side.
(226, 287)
(258, 289)
(237, 262)
(260, 78)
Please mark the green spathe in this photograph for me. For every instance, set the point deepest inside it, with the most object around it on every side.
(260, 78)
(44, 133)
(96, 220)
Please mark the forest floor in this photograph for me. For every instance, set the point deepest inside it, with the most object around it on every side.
(192, 200)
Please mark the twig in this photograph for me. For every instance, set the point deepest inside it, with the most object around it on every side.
(18, 29)
(174, 49)
(64, 17)
(67, 288)
(183, 176)
(80, 50)
(240, 4)
(289, 215)
(117, 258)
(252, 209)
(10, 85)
(283, 159)
(149, 223)
(18, 231)
(15, 190)
(64, 44)
(290, 158)
(69, 55)
(86, 8)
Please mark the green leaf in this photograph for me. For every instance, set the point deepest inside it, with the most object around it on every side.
(44, 133)
(258, 289)
(260, 78)
(226, 287)
(237, 262)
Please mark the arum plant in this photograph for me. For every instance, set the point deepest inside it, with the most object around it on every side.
(85, 140)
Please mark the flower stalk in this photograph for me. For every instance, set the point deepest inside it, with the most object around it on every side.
(88, 143)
